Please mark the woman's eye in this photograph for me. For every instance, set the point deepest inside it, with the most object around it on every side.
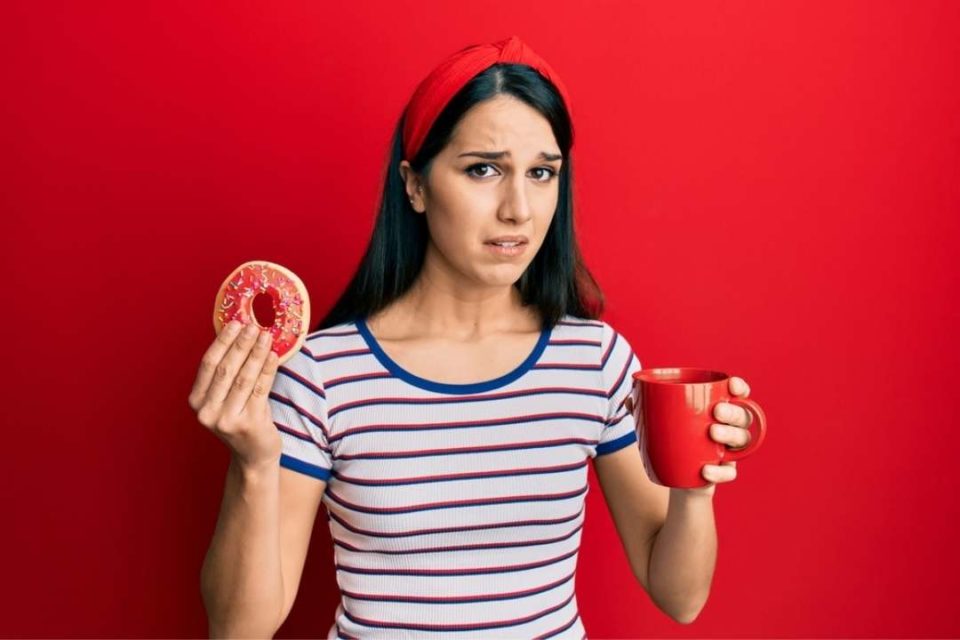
(548, 174)
(478, 165)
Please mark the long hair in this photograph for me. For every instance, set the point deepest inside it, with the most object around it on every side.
(557, 281)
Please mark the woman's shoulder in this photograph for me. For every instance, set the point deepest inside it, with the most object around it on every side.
(597, 331)
(576, 326)
(334, 333)
(324, 352)
(339, 337)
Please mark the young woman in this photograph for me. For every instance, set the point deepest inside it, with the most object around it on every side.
(447, 407)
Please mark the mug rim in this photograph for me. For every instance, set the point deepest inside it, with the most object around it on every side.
(712, 376)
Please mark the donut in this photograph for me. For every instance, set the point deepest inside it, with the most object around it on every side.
(269, 295)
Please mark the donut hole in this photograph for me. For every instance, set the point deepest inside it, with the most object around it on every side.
(263, 311)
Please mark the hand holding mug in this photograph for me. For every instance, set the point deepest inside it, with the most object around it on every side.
(695, 426)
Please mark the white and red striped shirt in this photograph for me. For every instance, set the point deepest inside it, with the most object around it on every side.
(455, 509)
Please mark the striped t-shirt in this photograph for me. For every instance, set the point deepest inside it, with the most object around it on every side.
(455, 509)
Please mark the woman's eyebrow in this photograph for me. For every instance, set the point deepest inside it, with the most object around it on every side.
(495, 155)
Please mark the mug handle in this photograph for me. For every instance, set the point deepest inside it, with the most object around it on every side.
(758, 430)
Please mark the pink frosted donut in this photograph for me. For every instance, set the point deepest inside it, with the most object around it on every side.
(270, 296)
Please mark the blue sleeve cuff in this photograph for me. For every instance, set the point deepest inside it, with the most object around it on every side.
(616, 445)
(304, 467)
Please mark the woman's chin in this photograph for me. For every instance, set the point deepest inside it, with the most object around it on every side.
(501, 275)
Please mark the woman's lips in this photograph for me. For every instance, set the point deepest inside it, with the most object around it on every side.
(508, 252)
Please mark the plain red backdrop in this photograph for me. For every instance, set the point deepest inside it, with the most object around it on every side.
(770, 189)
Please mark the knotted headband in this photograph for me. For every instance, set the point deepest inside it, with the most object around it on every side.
(451, 75)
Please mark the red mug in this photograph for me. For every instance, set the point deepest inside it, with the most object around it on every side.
(676, 408)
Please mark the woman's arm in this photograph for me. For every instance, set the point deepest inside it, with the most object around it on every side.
(669, 536)
(241, 579)
(684, 556)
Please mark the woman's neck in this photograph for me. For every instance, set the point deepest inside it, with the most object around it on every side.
(429, 310)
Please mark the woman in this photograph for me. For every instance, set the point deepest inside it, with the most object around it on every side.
(447, 407)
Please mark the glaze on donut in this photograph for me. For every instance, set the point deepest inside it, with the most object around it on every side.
(283, 292)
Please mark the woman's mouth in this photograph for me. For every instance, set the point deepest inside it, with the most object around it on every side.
(507, 249)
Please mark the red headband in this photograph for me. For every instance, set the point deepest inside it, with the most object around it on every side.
(433, 93)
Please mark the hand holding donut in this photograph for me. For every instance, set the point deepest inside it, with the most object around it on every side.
(230, 393)
(238, 369)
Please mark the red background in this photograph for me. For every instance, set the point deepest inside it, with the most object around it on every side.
(770, 189)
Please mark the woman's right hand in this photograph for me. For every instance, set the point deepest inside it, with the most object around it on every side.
(230, 394)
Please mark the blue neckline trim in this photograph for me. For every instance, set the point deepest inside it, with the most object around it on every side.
(445, 387)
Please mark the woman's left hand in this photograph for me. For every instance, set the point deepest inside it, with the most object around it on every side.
(731, 430)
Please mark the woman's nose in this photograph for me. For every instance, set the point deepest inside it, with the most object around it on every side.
(516, 203)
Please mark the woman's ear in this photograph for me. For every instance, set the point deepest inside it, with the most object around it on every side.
(413, 186)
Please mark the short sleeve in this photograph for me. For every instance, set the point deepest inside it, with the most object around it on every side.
(298, 403)
(617, 366)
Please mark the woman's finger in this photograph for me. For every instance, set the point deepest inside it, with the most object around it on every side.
(733, 437)
(208, 363)
(261, 389)
(739, 387)
(725, 472)
(248, 376)
(224, 376)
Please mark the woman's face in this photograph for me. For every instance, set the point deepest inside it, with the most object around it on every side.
(498, 176)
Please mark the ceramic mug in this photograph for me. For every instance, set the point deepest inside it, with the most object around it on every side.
(677, 408)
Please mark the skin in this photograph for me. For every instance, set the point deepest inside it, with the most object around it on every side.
(464, 291)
